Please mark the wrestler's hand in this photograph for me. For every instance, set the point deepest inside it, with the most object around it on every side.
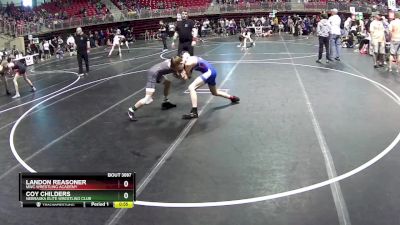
(184, 75)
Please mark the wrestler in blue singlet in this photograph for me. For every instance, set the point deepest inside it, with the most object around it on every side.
(209, 73)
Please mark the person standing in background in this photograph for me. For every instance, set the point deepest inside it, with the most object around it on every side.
(3, 70)
(163, 33)
(53, 45)
(96, 39)
(377, 31)
(92, 41)
(46, 49)
(184, 30)
(82, 48)
(41, 50)
(347, 26)
(276, 25)
(314, 23)
(394, 29)
(285, 23)
(101, 38)
(323, 32)
(60, 42)
(335, 22)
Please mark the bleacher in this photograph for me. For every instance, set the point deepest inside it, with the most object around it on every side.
(166, 4)
(73, 9)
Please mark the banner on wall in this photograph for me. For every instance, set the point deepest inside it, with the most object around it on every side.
(29, 60)
(392, 4)
(353, 10)
(273, 14)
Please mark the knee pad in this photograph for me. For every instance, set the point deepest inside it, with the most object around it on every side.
(191, 88)
(146, 100)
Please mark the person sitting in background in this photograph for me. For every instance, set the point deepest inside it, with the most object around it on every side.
(348, 40)
(364, 43)
(71, 45)
(29, 50)
(154, 35)
(281, 27)
(60, 52)
(266, 33)
(60, 41)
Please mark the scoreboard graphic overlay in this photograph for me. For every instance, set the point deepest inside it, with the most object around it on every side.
(116, 190)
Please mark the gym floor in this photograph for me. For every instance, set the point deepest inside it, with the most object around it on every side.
(308, 144)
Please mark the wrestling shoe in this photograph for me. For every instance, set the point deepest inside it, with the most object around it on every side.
(131, 114)
(8, 92)
(33, 89)
(167, 105)
(190, 116)
(234, 99)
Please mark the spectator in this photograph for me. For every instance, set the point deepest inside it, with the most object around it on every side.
(323, 32)
(163, 32)
(82, 46)
(394, 29)
(184, 30)
(71, 45)
(377, 40)
(46, 49)
(335, 22)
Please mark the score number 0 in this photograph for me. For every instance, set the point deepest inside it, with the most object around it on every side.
(126, 184)
(124, 204)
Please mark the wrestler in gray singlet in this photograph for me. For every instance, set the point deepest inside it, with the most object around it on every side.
(157, 72)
